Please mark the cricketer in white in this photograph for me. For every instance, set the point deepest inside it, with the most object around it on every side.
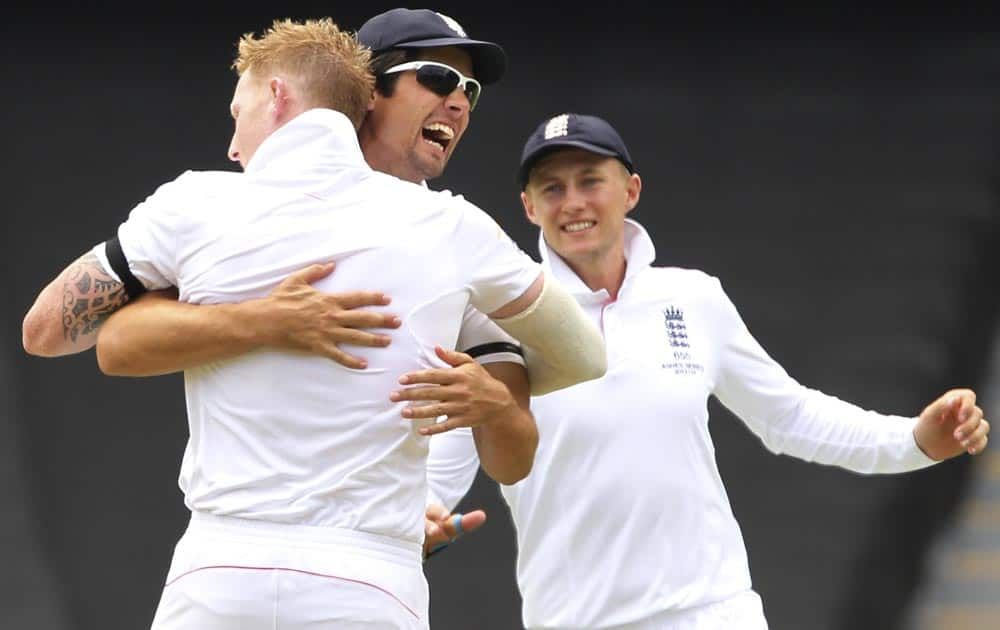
(624, 522)
(287, 438)
(637, 443)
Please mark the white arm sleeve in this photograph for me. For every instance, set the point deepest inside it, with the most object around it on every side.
(562, 346)
(803, 422)
(452, 464)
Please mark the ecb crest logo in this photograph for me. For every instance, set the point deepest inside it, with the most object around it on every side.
(680, 360)
(557, 126)
(677, 335)
(452, 24)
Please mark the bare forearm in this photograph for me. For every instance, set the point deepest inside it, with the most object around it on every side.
(68, 313)
(507, 446)
(159, 335)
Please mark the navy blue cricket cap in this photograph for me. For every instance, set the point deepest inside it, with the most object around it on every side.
(422, 28)
(566, 131)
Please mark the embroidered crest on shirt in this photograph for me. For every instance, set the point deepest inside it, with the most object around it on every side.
(679, 342)
(673, 319)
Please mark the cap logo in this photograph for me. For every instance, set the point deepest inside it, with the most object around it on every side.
(557, 126)
(453, 25)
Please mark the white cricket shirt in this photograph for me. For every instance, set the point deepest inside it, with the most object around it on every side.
(624, 514)
(291, 438)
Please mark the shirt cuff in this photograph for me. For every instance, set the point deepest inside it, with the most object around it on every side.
(911, 457)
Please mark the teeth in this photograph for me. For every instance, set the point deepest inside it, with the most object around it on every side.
(578, 226)
(436, 145)
(443, 129)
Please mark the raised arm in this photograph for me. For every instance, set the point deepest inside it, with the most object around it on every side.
(158, 335)
(70, 310)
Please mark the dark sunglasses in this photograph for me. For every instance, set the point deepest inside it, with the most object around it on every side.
(442, 79)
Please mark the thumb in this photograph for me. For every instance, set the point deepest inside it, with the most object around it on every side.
(312, 273)
(452, 358)
(947, 405)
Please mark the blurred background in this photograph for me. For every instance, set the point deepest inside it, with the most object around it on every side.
(836, 168)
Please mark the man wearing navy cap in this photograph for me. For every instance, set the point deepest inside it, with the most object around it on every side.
(420, 57)
(428, 76)
(624, 522)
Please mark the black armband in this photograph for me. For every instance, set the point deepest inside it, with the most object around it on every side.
(116, 258)
(494, 348)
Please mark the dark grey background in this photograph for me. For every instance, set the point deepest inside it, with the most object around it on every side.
(835, 168)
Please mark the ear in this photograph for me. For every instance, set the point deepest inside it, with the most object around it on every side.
(371, 101)
(529, 207)
(279, 98)
(632, 189)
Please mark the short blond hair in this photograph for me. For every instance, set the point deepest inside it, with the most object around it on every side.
(331, 66)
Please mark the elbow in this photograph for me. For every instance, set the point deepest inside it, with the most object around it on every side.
(37, 336)
(511, 474)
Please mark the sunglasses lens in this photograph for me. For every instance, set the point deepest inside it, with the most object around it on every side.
(443, 81)
(472, 93)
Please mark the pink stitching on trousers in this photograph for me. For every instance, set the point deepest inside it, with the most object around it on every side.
(323, 575)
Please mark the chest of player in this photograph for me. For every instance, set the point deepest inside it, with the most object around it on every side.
(666, 338)
(661, 371)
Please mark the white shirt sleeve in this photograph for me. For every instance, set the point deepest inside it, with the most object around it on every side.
(495, 268)
(452, 463)
(486, 342)
(808, 424)
(154, 234)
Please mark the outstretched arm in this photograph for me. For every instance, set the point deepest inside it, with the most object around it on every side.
(158, 335)
(68, 313)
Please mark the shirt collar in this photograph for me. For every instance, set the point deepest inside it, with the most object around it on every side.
(315, 138)
(639, 254)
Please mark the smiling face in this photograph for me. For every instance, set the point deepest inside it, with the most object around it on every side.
(579, 199)
(413, 133)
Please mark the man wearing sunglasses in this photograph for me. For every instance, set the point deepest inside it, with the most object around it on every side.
(306, 487)
(424, 64)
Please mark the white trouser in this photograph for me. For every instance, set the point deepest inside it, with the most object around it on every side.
(236, 574)
(740, 612)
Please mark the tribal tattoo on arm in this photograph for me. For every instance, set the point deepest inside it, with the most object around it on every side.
(90, 296)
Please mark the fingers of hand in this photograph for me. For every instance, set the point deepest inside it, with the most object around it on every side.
(418, 394)
(977, 441)
(357, 299)
(341, 357)
(973, 418)
(367, 319)
(962, 404)
(452, 526)
(311, 274)
(446, 376)
(433, 410)
(436, 512)
(355, 337)
(473, 520)
(452, 357)
(442, 427)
